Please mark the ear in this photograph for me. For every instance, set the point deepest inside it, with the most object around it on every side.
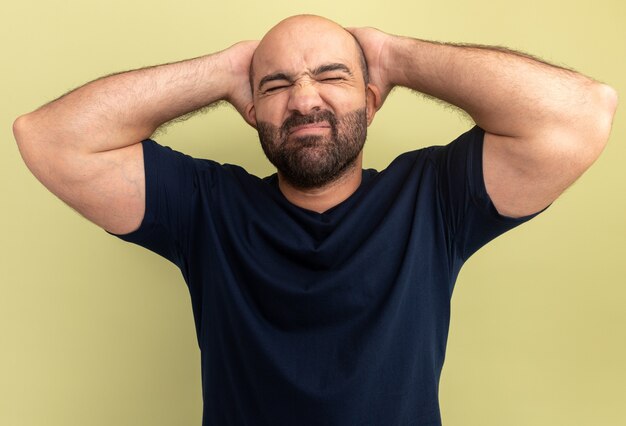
(373, 102)
(249, 114)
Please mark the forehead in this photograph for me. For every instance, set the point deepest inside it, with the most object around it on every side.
(295, 48)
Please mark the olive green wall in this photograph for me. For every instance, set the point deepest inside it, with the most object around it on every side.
(94, 331)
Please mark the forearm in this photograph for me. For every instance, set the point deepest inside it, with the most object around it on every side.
(506, 93)
(123, 109)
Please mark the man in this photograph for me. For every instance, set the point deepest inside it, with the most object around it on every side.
(321, 294)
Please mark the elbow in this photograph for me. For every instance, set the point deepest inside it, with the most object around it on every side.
(24, 130)
(20, 133)
(29, 143)
(594, 129)
(584, 133)
(605, 104)
(23, 134)
(610, 97)
(19, 128)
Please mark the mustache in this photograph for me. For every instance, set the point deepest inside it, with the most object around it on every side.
(296, 119)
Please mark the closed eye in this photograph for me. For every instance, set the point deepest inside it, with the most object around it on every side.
(275, 88)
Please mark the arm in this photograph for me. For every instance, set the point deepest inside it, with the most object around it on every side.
(85, 147)
(544, 125)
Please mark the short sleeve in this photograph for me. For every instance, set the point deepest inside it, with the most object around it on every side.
(170, 188)
(468, 209)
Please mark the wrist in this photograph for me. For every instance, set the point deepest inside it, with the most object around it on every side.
(397, 60)
(235, 65)
(217, 74)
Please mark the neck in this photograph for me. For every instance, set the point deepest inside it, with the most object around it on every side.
(324, 198)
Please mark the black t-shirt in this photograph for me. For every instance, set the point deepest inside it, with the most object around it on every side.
(339, 318)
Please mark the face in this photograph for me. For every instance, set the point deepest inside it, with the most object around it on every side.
(311, 103)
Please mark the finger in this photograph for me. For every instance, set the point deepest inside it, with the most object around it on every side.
(352, 30)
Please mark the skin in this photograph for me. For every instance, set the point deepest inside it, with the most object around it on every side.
(544, 126)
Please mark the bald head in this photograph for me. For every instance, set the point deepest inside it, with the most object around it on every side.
(297, 37)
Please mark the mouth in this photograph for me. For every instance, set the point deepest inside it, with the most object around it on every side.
(312, 128)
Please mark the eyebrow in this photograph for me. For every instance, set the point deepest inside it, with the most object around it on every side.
(332, 67)
(319, 70)
(273, 77)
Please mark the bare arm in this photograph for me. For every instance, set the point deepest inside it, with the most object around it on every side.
(85, 146)
(544, 125)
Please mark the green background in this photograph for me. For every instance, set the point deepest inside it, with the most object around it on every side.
(94, 331)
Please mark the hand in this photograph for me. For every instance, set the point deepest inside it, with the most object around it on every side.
(239, 93)
(375, 45)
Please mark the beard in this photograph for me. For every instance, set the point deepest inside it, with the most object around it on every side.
(313, 161)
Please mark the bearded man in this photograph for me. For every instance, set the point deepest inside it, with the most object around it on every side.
(321, 294)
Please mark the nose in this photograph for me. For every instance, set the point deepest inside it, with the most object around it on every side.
(304, 98)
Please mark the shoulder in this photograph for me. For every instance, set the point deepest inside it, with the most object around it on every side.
(468, 144)
(166, 160)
